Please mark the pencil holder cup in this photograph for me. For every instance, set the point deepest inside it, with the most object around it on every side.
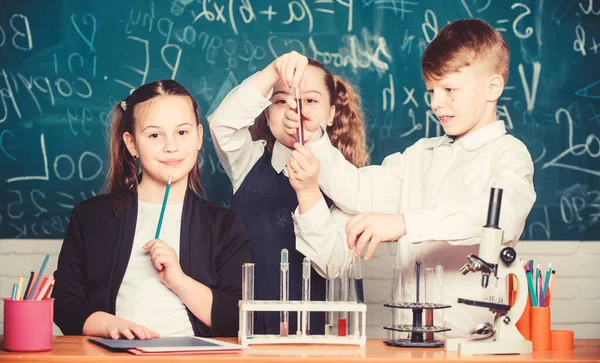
(524, 323)
(541, 336)
(28, 325)
(563, 340)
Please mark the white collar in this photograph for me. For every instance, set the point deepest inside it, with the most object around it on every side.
(279, 158)
(472, 141)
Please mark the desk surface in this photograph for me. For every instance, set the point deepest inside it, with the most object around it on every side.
(77, 349)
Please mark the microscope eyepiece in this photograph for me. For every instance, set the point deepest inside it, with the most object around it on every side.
(493, 216)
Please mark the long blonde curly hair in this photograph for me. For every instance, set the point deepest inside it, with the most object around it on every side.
(347, 133)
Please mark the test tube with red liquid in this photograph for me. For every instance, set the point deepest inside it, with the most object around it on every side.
(300, 131)
(343, 315)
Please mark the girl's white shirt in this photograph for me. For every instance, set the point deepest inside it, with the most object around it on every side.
(142, 297)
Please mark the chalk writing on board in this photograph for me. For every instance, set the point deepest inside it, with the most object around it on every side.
(400, 7)
(389, 94)
(2, 148)
(78, 120)
(415, 126)
(57, 88)
(40, 228)
(579, 207)
(531, 232)
(367, 52)
(218, 13)
(21, 37)
(590, 91)
(46, 173)
(85, 25)
(515, 26)
(430, 26)
(590, 7)
(530, 90)
(171, 64)
(591, 147)
(410, 97)
(579, 42)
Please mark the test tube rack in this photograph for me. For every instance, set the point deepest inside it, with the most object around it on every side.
(417, 329)
(357, 337)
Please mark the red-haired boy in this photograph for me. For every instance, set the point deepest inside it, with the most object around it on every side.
(435, 194)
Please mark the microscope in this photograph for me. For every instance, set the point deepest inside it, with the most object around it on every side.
(497, 263)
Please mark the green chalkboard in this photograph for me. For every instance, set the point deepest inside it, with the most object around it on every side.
(63, 64)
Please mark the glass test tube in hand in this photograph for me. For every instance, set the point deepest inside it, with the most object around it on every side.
(331, 271)
(248, 295)
(284, 291)
(306, 269)
(300, 132)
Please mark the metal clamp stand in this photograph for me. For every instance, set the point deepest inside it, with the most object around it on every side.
(416, 329)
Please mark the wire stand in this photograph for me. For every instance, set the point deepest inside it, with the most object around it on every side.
(416, 329)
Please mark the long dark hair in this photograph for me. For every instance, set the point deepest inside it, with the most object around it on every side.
(347, 133)
(122, 178)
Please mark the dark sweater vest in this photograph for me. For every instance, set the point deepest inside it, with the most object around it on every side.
(265, 202)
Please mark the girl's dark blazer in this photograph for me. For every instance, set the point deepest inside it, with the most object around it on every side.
(96, 250)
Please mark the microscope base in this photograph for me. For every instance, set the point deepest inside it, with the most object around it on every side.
(488, 346)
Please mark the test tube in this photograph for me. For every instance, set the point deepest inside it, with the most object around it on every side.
(248, 295)
(398, 316)
(306, 269)
(353, 318)
(284, 290)
(439, 274)
(331, 271)
(343, 315)
(430, 286)
(358, 282)
(298, 99)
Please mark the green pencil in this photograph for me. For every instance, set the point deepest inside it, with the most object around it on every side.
(162, 209)
(531, 290)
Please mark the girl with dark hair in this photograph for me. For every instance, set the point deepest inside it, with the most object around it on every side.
(113, 278)
(254, 130)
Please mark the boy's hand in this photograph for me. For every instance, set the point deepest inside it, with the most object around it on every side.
(373, 228)
(111, 326)
(303, 169)
(166, 262)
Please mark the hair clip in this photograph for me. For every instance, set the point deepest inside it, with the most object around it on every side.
(124, 105)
